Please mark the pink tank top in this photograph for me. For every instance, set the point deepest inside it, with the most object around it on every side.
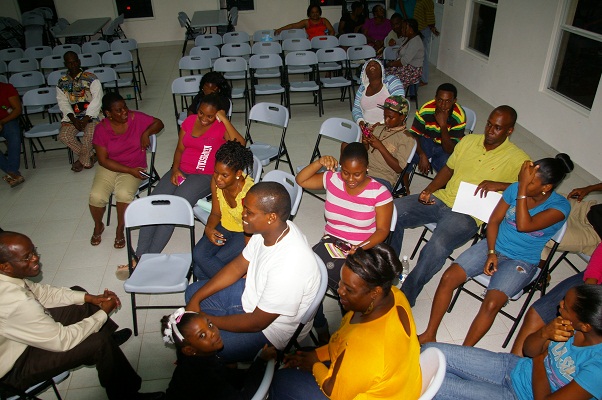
(199, 152)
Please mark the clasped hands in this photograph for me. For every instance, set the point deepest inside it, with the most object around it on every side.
(108, 301)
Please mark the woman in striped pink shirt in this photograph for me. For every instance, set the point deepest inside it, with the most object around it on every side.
(358, 210)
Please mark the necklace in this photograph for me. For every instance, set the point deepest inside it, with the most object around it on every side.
(282, 234)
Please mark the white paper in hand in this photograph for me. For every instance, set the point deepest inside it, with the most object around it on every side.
(479, 207)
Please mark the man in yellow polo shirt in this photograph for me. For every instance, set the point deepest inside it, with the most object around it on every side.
(490, 161)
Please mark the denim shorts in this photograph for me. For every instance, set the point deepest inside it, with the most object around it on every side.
(511, 275)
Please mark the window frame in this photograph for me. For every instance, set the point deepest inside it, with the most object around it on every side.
(468, 27)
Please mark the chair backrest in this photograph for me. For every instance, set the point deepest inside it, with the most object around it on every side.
(194, 63)
(433, 366)
(471, 119)
(23, 64)
(324, 42)
(3, 79)
(352, 39)
(296, 44)
(341, 129)
(236, 37)
(269, 113)
(63, 48)
(124, 44)
(230, 64)
(331, 55)
(159, 209)
(54, 77)
(206, 51)
(208, 39)
(293, 34)
(186, 85)
(32, 19)
(27, 79)
(7, 55)
(257, 169)
(266, 381)
(361, 52)
(390, 53)
(3, 67)
(39, 97)
(259, 35)
(296, 58)
(90, 60)
(235, 50)
(292, 187)
(265, 61)
(96, 46)
(38, 52)
(115, 57)
(104, 74)
(54, 61)
(266, 48)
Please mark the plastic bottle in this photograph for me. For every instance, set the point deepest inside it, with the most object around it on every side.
(405, 264)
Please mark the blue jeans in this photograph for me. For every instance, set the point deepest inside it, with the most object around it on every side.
(293, 384)
(12, 133)
(453, 230)
(238, 346)
(434, 152)
(209, 258)
(426, 42)
(474, 373)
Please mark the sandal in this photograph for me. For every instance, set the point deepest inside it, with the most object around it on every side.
(97, 237)
(77, 166)
(119, 243)
(123, 272)
(14, 180)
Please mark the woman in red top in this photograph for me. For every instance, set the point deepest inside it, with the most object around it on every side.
(314, 25)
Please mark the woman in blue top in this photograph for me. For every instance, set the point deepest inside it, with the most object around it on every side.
(526, 217)
(566, 359)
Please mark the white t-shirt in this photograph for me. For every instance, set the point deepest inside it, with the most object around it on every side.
(281, 279)
(371, 113)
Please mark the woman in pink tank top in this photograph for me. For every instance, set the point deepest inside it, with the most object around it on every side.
(314, 25)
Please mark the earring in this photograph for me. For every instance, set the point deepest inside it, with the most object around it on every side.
(238, 177)
(543, 193)
(369, 309)
(269, 222)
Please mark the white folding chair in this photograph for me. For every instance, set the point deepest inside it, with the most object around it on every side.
(158, 273)
(10, 54)
(390, 53)
(266, 66)
(61, 49)
(352, 39)
(235, 69)
(132, 46)
(356, 56)
(3, 80)
(52, 63)
(275, 115)
(433, 367)
(23, 65)
(38, 52)
(292, 187)
(107, 76)
(266, 48)
(236, 50)
(471, 119)
(89, 60)
(96, 46)
(120, 59)
(190, 33)
(211, 52)
(303, 59)
(194, 64)
(236, 37)
(537, 284)
(333, 60)
(266, 381)
(295, 44)
(324, 42)
(33, 391)
(208, 39)
(202, 208)
(185, 87)
(3, 68)
(25, 81)
(265, 35)
(293, 34)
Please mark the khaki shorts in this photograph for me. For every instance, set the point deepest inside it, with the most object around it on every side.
(123, 186)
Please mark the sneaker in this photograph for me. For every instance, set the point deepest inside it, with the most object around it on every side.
(121, 336)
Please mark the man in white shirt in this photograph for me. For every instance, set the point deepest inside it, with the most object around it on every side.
(260, 297)
(46, 330)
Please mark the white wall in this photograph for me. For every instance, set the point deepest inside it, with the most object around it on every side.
(514, 74)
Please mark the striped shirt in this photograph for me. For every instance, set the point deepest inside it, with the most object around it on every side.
(426, 125)
(348, 217)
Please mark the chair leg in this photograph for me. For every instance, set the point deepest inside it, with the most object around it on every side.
(422, 239)
(109, 206)
(134, 316)
(455, 298)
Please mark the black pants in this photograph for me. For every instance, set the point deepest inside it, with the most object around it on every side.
(115, 373)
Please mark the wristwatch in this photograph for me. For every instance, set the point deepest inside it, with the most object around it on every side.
(491, 252)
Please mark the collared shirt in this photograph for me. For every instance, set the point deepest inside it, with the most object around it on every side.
(24, 322)
(83, 92)
(425, 124)
(472, 163)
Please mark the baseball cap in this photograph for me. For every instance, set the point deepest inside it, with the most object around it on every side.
(396, 103)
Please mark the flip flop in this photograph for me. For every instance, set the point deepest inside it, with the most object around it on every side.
(13, 180)
(97, 238)
(119, 243)
(123, 272)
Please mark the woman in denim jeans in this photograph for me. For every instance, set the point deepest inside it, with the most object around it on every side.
(526, 217)
(566, 359)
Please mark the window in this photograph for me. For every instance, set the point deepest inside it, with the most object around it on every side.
(134, 8)
(578, 62)
(243, 5)
(481, 25)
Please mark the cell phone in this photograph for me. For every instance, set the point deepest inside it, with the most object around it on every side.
(342, 245)
(181, 180)
(490, 267)
(144, 174)
(366, 130)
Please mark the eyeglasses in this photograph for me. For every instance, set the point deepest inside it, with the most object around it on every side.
(30, 256)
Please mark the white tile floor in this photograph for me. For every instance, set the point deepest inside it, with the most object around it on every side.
(51, 207)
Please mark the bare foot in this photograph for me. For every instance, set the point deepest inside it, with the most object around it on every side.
(426, 338)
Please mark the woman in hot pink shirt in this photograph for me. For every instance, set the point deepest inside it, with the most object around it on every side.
(200, 136)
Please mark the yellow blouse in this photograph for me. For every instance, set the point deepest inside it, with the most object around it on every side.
(232, 217)
(380, 362)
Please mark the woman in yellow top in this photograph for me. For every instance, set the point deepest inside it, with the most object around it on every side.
(224, 238)
(375, 353)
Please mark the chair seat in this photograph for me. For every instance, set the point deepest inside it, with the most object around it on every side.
(264, 152)
(238, 93)
(335, 82)
(182, 117)
(201, 214)
(263, 73)
(122, 82)
(306, 86)
(431, 227)
(43, 130)
(299, 69)
(268, 88)
(150, 277)
(329, 66)
(234, 75)
(55, 109)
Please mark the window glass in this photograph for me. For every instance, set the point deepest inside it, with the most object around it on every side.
(481, 25)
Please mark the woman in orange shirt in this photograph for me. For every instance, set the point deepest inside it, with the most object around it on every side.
(314, 25)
